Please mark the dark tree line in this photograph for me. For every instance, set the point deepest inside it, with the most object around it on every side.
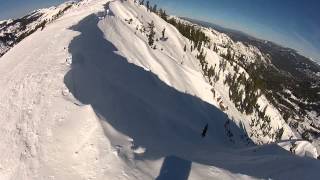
(191, 32)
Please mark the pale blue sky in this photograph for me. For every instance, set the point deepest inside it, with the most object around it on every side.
(18, 8)
(291, 23)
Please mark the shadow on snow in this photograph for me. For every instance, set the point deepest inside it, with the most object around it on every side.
(158, 117)
(174, 168)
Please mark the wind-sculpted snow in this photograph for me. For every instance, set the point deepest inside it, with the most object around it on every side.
(161, 119)
(87, 98)
(135, 101)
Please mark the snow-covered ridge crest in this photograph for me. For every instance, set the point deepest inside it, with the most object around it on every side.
(137, 24)
(14, 30)
(95, 101)
(223, 42)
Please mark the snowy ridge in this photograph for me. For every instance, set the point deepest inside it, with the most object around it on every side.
(249, 55)
(90, 99)
(14, 30)
(222, 42)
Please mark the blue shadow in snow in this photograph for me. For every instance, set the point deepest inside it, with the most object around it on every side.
(163, 120)
(174, 168)
(135, 101)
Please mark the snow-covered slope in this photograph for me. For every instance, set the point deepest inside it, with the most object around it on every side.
(15, 30)
(88, 98)
(228, 63)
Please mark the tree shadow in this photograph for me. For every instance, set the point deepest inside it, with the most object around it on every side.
(174, 168)
(158, 117)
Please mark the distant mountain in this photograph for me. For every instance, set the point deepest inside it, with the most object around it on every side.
(292, 83)
(112, 89)
(268, 47)
(15, 30)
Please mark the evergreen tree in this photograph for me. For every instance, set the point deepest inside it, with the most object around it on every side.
(263, 113)
(163, 14)
(215, 48)
(151, 34)
(210, 72)
(147, 5)
(154, 9)
(185, 48)
(229, 55)
(279, 134)
(199, 46)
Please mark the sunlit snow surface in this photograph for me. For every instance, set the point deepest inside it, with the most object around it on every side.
(87, 98)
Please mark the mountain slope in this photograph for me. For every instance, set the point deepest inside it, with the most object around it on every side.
(15, 30)
(90, 99)
(289, 81)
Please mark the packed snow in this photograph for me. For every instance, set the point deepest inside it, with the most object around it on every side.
(88, 98)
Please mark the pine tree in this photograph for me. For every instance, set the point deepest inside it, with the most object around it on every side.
(151, 34)
(215, 49)
(279, 134)
(199, 46)
(147, 5)
(263, 113)
(163, 14)
(185, 48)
(154, 9)
(229, 56)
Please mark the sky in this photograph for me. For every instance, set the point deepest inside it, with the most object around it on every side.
(291, 23)
(18, 8)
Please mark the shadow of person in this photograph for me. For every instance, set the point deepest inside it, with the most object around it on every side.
(174, 168)
(160, 118)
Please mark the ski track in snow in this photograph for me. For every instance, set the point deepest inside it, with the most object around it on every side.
(86, 98)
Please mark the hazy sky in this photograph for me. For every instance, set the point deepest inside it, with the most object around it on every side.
(292, 23)
(17, 8)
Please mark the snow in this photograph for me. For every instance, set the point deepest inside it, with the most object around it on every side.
(303, 148)
(19, 28)
(221, 91)
(87, 98)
